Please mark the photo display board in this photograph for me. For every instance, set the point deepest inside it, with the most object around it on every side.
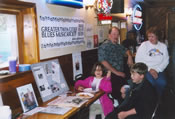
(49, 79)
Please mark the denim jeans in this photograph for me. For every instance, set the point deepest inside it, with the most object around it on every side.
(158, 83)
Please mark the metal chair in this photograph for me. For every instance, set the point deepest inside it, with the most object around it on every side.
(115, 101)
(78, 77)
(154, 115)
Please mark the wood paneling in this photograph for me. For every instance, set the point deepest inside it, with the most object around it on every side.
(156, 15)
(171, 30)
(162, 15)
(88, 60)
(30, 43)
(14, 4)
(159, 3)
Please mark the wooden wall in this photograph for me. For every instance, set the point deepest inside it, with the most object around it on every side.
(9, 83)
(159, 14)
(156, 15)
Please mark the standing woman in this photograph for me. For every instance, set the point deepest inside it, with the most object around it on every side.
(155, 55)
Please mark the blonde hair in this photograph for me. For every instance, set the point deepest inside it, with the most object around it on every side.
(139, 68)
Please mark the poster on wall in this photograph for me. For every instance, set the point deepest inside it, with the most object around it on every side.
(89, 30)
(123, 25)
(60, 32)
(100, 34)
(89, 44)
(77, 64)
(95, 41)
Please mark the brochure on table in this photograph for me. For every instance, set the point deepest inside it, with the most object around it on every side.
(49, 79)
(69, 101)
(56, 110)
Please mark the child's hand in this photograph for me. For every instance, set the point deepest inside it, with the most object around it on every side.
(122, 115)
(80, 88)
(108, 74)
(123, 91)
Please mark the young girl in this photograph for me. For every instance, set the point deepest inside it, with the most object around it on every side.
(101, 82)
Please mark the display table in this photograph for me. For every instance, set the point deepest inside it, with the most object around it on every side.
(70, 113)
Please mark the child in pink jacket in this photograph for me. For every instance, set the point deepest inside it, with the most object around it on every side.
(101, 82)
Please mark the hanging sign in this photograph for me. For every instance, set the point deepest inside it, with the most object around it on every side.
(137, 17)
(59, 32)
(104, 6)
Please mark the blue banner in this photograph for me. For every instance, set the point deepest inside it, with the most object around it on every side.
(69, 3)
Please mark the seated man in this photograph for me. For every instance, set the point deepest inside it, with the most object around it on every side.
(141, 99)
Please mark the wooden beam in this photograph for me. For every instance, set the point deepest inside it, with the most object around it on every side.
(15, 3)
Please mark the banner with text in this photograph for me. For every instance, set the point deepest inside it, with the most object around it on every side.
(59, 32)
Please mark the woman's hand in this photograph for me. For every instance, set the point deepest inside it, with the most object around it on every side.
(130, 60)
(153, 73)
(80, 88)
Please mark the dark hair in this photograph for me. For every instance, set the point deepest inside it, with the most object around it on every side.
(139, 68)
(114, 27)
(95, 66)
(152, 30)
(129, 33)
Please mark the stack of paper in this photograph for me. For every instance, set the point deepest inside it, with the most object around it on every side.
(70, 101)
(56, 110)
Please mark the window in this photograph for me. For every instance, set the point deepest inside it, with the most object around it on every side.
(8, 38)
(18, 30)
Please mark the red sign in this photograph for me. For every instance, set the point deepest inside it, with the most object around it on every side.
(104, 17)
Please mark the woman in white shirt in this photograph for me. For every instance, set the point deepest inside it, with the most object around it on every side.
(155, 55)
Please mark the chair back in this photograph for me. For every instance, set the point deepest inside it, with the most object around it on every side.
(78, 77)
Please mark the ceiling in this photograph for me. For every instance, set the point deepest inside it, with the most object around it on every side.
(149, 3)
(153, 2)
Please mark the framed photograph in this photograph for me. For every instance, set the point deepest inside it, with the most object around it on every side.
(27, 97)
